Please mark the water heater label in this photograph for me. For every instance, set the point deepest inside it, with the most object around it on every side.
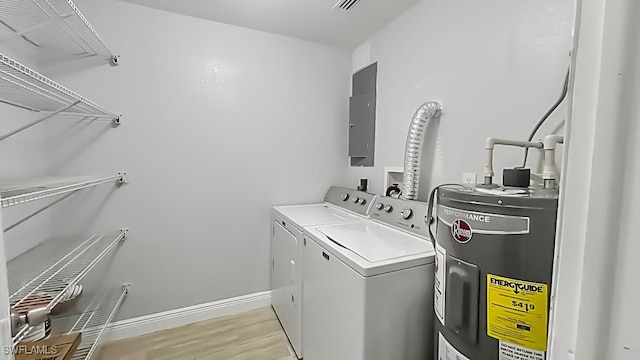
(440, 285)
(515, 352)
(446, 351)
(517, 312)
(481, 223)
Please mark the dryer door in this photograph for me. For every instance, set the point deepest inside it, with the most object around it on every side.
(285, 282)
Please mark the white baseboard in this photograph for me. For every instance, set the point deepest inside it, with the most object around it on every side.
(179, 317)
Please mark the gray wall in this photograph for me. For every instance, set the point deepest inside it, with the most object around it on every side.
(220, 123)
(23, 155)
(496, 66)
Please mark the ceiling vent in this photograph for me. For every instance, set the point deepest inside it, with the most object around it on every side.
(345, 5)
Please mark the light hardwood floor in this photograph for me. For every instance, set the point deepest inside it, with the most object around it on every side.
(253, 335)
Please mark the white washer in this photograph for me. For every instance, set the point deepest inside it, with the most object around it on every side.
(368, 286)
(340, 205)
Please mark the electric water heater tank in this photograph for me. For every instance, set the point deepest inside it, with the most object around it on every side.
(494, 263)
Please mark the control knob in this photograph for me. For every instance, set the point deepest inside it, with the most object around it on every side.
(362, 201)
(344, 197)
(388, 208)
(355, 200)
(379, 206)
(406, 213)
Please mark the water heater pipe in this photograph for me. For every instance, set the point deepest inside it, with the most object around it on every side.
(490, 144)
(550, 172)
(413, 150)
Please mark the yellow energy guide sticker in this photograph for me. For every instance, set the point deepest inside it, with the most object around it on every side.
(517, 311)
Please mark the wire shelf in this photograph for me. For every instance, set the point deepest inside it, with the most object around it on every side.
(12, 194)
(92, 322)
(23, 87)
(43, 276)
(57, 23)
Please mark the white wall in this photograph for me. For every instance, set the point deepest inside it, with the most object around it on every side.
(220, 123)
(496, 66)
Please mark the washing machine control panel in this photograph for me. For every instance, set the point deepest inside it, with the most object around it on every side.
(406, 215)
(359, 202)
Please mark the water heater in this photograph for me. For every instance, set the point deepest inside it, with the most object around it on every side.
(494, 263)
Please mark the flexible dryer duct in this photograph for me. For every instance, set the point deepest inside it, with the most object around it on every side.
(413, 151)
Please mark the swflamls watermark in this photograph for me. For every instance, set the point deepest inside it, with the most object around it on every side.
(31, 350)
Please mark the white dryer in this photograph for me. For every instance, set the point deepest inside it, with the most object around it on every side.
(368, 286)
(341, 205)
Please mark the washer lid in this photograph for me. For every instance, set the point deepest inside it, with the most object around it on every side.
(316, 214)
(371, 248)
(375, 242)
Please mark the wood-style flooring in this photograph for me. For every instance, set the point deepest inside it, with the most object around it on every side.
(253, 335)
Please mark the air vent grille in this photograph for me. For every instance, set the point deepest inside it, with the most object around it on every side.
(346, 4)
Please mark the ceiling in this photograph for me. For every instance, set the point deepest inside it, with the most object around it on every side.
(313, 20)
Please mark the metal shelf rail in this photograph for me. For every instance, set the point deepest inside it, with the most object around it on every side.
(20, 193)
(64, 23)
(25, 88)
(93, 321)
(49, 271)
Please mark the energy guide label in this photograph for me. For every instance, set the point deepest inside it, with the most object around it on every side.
(517, 313)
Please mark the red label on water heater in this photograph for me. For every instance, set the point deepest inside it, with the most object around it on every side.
(461, 231)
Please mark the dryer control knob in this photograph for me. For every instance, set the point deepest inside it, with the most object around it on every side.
(379, 206)
(406, 213)
(355, 200)
(344, 197)
(362, 201)
(388, 208)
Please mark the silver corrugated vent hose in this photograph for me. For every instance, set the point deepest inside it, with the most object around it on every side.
(415, 143)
